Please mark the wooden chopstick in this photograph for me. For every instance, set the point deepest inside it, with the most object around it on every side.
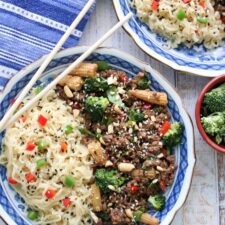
(68, 70)
(47, 60)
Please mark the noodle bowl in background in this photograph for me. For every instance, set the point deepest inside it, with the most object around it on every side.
(189, 23)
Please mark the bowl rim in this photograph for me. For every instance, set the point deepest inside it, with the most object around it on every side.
(166, 85)
(209, 86)
(158, 57)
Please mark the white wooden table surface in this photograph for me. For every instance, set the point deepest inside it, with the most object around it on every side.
(205, 204)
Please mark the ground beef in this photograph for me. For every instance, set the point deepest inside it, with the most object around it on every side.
(137, 143)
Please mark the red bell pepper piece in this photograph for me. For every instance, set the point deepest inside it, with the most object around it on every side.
(162, 184)
(123, 78)
(155, 5)
(42, 120)
(186, 1)
(134, 188)
(165, 127)
(147, 105)
(30, 177)
(30, 146)
(202, 4)
(12, 181)
(66, 202)
(50, 193)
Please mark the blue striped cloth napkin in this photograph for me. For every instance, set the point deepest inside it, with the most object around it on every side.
(31, 28)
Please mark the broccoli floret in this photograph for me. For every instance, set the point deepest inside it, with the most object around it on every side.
(173, 136)
(96, 84)
(143, 83)
(104, 178)
(214, 125)
(222, 134)
(157, 201)
(214, 100)
(95, 107)
(102, 65)
(136, 116)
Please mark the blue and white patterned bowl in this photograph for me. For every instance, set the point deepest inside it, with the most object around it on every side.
(12, 206)
(196, 60)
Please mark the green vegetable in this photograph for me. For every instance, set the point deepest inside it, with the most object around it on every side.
(157, 109)
(95, 107)
(105, 177)
(153, 186)
(181, 15)
(102, 65)
(222, 135)
(114, 97)
(214, 101)
(40, 163)
(137, 216)
(96, 84)
(104, 216)
(69, 181)
(85, 131)
(134, 115)
(38, 89)
(157, 201)
(32, 215)
(202, 20)
(214, 125)
(68, 129)
(107, 120)
(15, 111)
(143, 83)
(42, 145)
(173, 136)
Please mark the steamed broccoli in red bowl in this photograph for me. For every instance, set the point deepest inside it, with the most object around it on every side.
(213, 113)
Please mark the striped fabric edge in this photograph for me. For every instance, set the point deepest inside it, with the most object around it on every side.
(37, 18)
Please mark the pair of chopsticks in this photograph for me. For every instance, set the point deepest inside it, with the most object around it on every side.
(6, 120)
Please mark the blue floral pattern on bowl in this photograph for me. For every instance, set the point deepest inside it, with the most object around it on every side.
(196, 60)
(12, 203)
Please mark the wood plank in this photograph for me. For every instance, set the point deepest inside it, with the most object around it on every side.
(221, 186)
(204, 201)
(201, 206)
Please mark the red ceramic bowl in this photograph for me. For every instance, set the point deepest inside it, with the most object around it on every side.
(212, 84)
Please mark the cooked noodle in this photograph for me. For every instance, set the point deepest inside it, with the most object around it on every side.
(75, 161)
(188, 31)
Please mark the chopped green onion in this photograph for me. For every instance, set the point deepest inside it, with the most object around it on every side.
(107, 120)
(202, 20)
(32, 215)
(69, 181)
(38, 89)
(16, 111)
(40, 163)
(137, 216)
(42, 145)
(181, 15)
(98, 135)
(102, 65)
(86, 132)
(68, 129)
(114, 97)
